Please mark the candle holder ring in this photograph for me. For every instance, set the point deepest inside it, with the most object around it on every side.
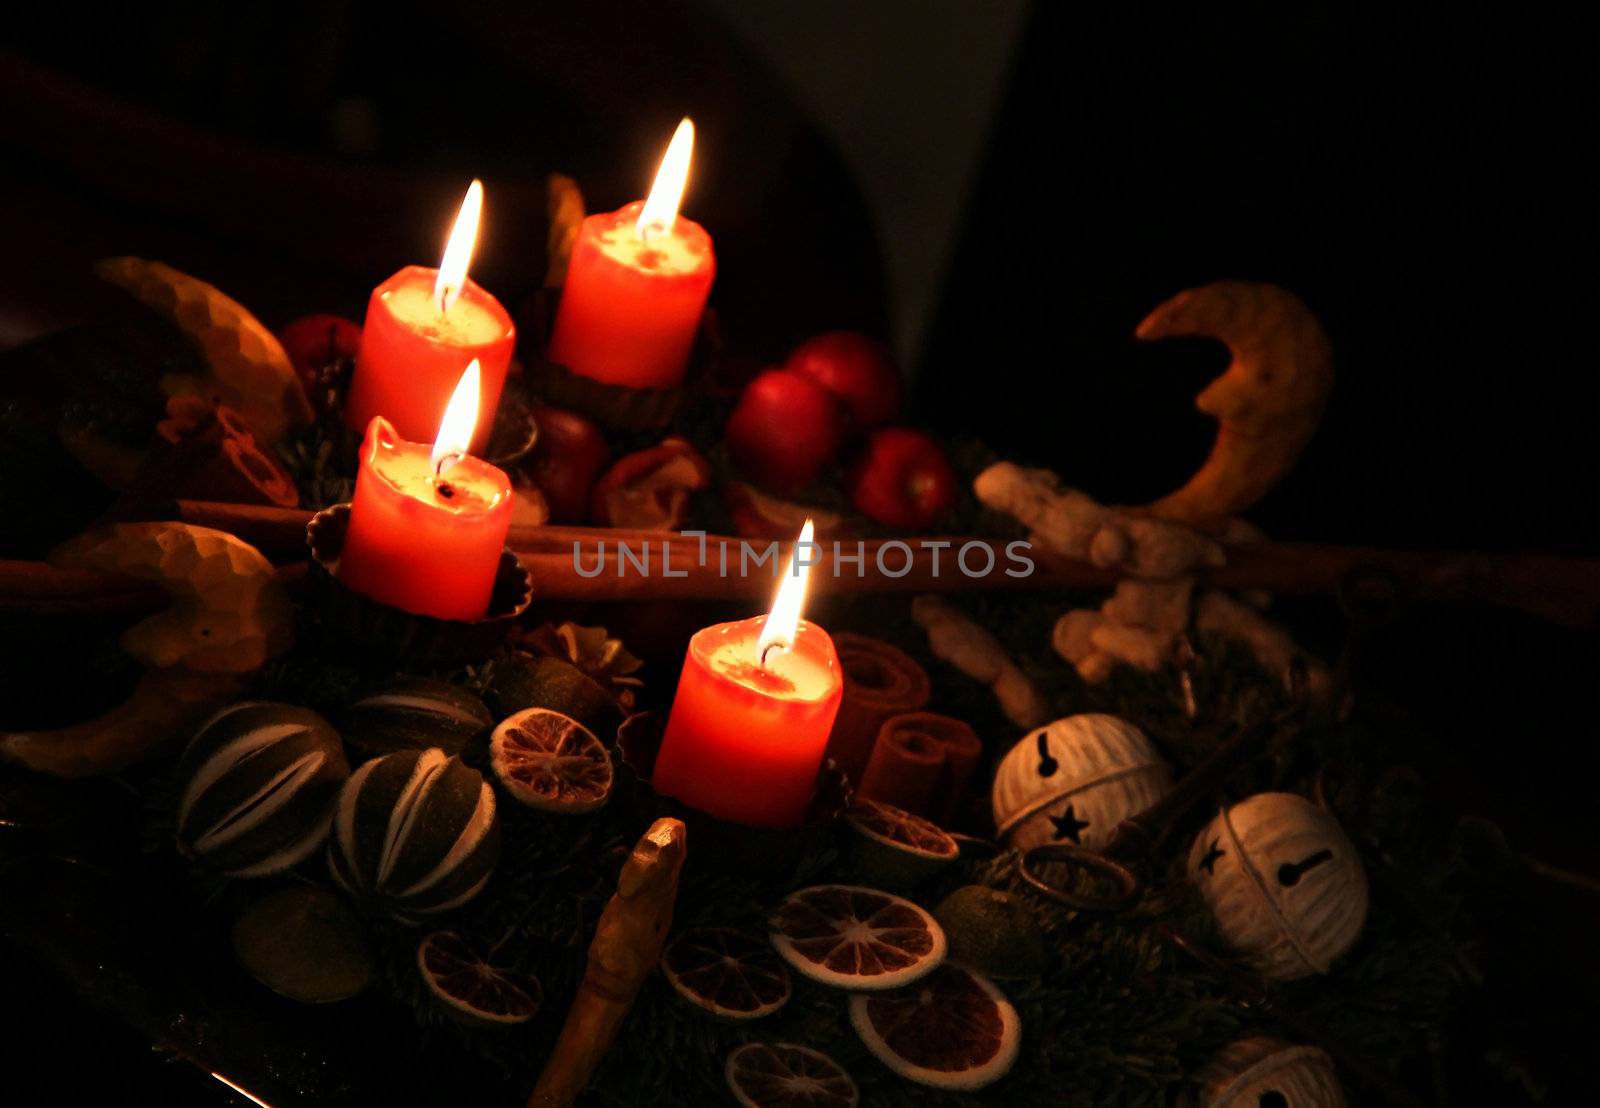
(391, 633)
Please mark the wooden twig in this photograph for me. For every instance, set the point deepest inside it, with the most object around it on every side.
(626, 947)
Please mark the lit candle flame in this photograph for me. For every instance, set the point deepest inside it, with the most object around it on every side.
(458, 251)
(460, 420)
(778, 630)
(660, 211)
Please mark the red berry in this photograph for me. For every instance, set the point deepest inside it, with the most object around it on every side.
(856, 370)
(568, 456)
(317, 346)
(784, 430)
(902, 478)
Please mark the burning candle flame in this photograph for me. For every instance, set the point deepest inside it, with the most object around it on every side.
(458, 251)
(460, 420)
(778, 630)
(660, 211)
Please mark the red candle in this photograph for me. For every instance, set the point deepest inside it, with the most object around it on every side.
(422, 326)
(637, 285)
(752, 714)
(427, 524)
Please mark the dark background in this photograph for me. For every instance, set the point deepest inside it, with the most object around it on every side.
(1423, 179)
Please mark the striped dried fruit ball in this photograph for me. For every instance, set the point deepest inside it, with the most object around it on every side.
(415, 833)
(414, 713)
(259, 781)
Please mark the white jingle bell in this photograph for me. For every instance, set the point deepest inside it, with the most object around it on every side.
(1266, 1073)
(1075, 780)
(1284, 882)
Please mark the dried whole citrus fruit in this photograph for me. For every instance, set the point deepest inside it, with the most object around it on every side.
(259, 782)
(897, 847)
(951, 1030)
(728, 972)
(993, 932)
(787, 1075)
(303, 943)
(414, 713)
(415, 833)
(551, 762)
(856, 938)
(472, 990)
(524, 680)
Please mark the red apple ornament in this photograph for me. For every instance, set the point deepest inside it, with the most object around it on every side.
(856, 370)
(902, 478)
(784, 430)
(568, 456)
(316, 345)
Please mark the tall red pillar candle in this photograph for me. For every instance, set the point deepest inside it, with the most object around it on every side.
(752, 715)
(637, 285)
(422, 326)
(427, 523)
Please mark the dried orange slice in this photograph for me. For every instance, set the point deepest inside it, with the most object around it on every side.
(787, 1075)
(896, 848)
(726, 972)
(897, 827)
(856, 938)
(469, 988)
(951, 1030)
(551, 762)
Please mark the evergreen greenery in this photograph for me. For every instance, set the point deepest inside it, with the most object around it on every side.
(1121, 1013)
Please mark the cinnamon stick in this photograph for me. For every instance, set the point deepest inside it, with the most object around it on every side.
(1562, 589)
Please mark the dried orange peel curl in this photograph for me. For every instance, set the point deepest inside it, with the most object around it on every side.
(229, 615)
(1267, 403)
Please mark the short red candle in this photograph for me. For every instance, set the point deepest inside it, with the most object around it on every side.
(430, 545)
(412, 354)
(636, 286)
(744, 741)
(423, 327)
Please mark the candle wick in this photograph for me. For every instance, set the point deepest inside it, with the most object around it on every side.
(444, 463)
(768, 649)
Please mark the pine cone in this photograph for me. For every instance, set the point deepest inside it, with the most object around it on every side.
(594, 652)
